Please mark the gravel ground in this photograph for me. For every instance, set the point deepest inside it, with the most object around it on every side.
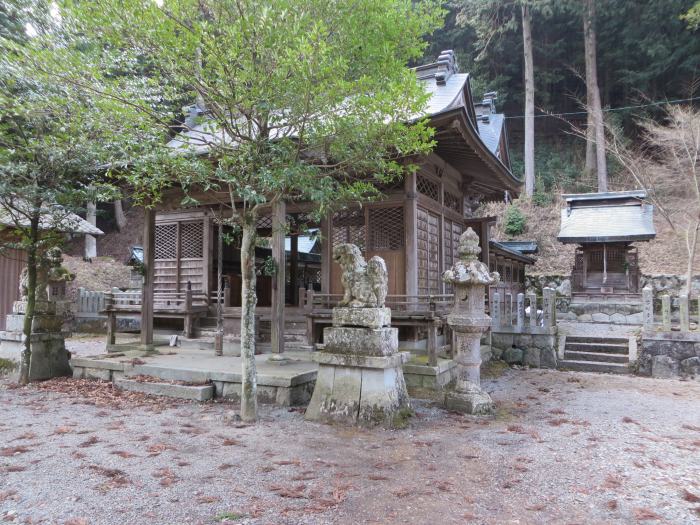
(563, 448)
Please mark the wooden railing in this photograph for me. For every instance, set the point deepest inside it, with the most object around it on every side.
(397, 303)
(162, 301)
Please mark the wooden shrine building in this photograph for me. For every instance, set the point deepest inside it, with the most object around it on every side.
(415, 227)
(605, 226)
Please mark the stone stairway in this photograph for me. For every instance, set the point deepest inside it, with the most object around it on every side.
(596, 354)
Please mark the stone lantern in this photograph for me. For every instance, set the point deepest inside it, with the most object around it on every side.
(468, 320)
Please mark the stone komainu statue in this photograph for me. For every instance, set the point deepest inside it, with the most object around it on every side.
(364, 283)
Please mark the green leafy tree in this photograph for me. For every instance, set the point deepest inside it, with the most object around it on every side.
(296, 100)
(53, 138)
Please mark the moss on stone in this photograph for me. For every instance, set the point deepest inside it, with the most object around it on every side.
(7, 365)
(493, 369)
(402, 417)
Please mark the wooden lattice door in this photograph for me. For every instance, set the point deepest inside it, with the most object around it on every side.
(428, 234)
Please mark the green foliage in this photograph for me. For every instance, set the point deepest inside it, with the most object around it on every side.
(541, 199)
(692, 17)
(312, 98)
(513, 221)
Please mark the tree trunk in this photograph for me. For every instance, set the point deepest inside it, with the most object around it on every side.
(590, 168)
(595, 110)
(119, 215)
(249, 402)
(691, 244)
(90, 240)
(529, 155)
(32, 263)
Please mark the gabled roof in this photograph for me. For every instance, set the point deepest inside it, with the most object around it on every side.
(621, 216)
(497, 246)
(524, 247)
(54, 218)
(462, 140)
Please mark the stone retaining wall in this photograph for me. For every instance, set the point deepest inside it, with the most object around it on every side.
(670, 355)
(534, 350)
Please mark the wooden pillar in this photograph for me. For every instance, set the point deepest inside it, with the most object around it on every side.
(208, 253)
(149, 245)
(410, 231)
(293, 267)
(326, 256)
(279, 282)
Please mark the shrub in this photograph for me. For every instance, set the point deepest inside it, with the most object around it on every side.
(514, 221)
(541, 199)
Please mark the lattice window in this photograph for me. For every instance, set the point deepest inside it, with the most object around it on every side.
(386, 228)
(264, 223)
(428, 187)
(166, 241)
(349, 226)
(191, 240)
(452, 201)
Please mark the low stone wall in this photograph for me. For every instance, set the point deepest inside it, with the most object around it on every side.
(618, 313)
(537, 350)
(670, 355)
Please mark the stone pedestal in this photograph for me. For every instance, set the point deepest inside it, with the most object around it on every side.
(360, 376)
(49, 355)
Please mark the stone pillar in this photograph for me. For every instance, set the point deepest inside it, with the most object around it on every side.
(468, 320)
(520, 322)
(684, 314)
(496, 311)
(648, 307)
(666, 312)
(549, 307)
(532, 303)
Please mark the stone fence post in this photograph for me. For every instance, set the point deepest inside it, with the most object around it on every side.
(496, 311)
(684, 314)
(520, 323)
(549, 307)
(666, 312)
(648, 307)
(532, 302)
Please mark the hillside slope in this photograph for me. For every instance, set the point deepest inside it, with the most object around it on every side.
(664, 255)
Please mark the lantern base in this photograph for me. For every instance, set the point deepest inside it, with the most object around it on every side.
(471, 401)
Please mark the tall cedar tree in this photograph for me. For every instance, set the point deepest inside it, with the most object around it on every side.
(299, 101)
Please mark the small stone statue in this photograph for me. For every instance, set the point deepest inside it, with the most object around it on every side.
(364, 283)
(49, 270)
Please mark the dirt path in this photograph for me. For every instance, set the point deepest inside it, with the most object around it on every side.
(564, 448)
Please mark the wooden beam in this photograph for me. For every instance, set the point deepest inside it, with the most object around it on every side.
(279, 281)
(410, 231)
(149, 245)
(293, 269)
(326, 256)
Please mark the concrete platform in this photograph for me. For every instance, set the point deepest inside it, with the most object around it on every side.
(284, 382)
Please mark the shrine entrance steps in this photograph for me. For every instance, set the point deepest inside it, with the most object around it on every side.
(596, 354)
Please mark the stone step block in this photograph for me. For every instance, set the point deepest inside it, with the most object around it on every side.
(604, 348)
(593, 366)
(189, 392)
(597, 340)
(596, 356)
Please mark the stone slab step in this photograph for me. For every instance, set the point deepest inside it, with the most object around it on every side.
(596, 340)
(189, 392)
(593, 366)
(595, 356)
(604, 348)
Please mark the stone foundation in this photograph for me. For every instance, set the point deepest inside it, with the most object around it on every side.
(49, 355)
(421, 377)
(670, 355)
(537, 350)
(601, 312)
